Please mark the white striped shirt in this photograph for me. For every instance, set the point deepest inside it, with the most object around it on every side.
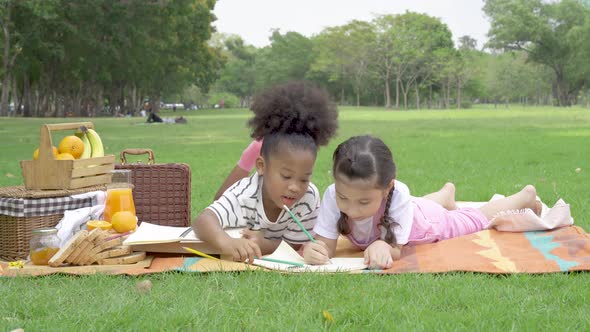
(241, 206)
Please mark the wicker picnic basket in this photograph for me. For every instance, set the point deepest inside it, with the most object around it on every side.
(161, 192)
(16, 231)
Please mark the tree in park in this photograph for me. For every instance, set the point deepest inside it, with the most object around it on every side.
(343, 52)
(237, 75)
(20, 21)
(555, 34)
(405, 51)
(74, 55)
(288, 57)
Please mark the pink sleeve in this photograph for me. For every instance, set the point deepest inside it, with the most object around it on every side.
(248, 158)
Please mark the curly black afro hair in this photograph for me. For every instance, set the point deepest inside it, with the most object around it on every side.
(294, 108)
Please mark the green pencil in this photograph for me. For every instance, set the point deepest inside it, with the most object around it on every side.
(300, 224)
(274, 260)
(303, 228)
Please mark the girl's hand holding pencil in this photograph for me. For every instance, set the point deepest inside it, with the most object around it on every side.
(316, 253)
(317, 247)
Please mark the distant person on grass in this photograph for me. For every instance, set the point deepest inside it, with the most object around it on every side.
(153, 117)
(377, 213)
(291, 120)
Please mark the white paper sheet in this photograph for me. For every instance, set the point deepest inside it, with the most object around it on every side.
(286, 253)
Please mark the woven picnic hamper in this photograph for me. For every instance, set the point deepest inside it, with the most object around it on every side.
(161, 192)
(16, 231)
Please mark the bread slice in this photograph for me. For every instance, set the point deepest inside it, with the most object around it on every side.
(127, 259)
(77, 257)
(84, 257)
(113, 252)
(83, 246)
(108, 243)
(67, 249)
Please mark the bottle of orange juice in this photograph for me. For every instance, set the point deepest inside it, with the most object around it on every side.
(119, 194)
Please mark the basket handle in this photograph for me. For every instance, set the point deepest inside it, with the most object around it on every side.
(136, 152)
(45, 150)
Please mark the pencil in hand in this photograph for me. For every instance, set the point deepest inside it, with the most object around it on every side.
(298, 222)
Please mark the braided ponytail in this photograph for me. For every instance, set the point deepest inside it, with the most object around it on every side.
(343, 226)
(387, 222)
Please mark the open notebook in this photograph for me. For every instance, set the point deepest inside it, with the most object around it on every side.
(158, 238)
(285, 253)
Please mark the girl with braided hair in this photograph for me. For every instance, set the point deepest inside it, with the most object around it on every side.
(377, 213)
(291, 121)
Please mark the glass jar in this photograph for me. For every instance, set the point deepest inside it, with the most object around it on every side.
(44, 244)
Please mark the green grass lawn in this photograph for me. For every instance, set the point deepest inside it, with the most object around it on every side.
(483, 151)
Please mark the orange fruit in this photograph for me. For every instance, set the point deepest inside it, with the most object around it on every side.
(72, 145)
(124, 221)
(64, 156)
(36, 153)
(102, 224)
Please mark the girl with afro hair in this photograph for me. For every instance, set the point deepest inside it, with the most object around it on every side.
(290, 122)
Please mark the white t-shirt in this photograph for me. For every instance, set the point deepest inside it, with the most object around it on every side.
(241, 206)
(401, 210)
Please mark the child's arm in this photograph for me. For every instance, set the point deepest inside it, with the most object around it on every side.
(320, 252)
(381, 254)
(208, 229)
(243, 168)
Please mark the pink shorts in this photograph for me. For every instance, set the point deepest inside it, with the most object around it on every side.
(433, 223)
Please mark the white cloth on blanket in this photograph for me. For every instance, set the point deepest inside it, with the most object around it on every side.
(75, 220)
(98, 197)
(525, 220)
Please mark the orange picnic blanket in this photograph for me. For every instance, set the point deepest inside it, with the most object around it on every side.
(489, 251)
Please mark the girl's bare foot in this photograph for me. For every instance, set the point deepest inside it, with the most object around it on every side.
(445, 196)
(526, 198)
(450, 203)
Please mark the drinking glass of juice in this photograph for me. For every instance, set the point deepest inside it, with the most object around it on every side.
(119, 194)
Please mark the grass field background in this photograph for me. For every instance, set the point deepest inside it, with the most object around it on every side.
(483, 151)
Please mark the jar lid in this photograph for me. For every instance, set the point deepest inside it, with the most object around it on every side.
(45, 231)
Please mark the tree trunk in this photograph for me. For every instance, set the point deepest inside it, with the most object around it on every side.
(98, 106)
(396, 93)
(458, 95)
(430, 96)
(448, 97)
(5, 93)
(405, 100)
(417, 97)
(562, 93)
(27, 96)
(387, 94)
(5, 63)
(16, 98)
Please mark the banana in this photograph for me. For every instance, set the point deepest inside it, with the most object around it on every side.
(95, 142)
(87, 147)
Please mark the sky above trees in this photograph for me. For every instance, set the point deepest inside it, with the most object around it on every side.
(254, 19)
